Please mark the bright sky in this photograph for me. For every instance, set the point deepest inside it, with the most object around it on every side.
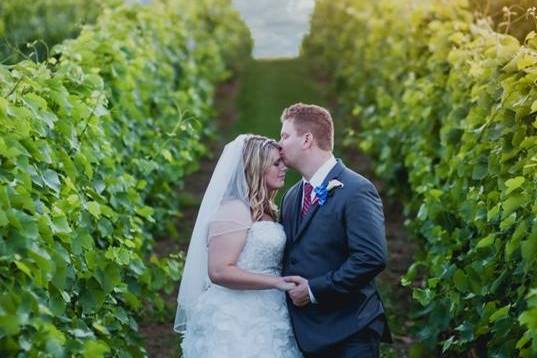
(277, 26)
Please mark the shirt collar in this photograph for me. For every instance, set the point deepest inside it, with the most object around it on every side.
(321, 173)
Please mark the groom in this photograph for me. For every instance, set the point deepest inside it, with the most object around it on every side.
(334, 222)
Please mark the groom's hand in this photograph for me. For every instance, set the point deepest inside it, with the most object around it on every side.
(300, 294)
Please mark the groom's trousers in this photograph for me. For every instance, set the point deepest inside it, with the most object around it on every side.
(359, 345)
(363, 344)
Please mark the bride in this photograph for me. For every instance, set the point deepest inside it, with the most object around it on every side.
(231, 301)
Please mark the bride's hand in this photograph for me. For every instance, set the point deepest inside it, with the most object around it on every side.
(283, 285)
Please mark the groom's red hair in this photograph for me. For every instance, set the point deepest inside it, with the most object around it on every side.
(314, 119)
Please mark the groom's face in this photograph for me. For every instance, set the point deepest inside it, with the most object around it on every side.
(291, 143)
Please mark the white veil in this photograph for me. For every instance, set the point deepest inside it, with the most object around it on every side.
(228, 182)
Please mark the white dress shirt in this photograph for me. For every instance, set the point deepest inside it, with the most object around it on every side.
(316, 180)
(319, 176)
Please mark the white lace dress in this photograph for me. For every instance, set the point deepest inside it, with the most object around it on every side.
(230, 323)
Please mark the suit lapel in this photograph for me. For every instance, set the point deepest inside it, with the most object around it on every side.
(291, 205)
(333, 174)
(303, 223)
(296, 209)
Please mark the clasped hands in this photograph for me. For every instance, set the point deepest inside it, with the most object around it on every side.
(297, 288)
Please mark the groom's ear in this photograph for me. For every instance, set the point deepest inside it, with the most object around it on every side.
(308, 140)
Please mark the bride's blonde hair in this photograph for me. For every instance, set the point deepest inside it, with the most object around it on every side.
(256, 155)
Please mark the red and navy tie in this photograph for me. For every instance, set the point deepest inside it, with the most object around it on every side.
(306, 199)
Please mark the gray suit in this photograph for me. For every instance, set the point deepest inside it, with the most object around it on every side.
(339, 248)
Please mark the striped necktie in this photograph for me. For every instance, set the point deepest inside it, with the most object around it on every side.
(306, 203)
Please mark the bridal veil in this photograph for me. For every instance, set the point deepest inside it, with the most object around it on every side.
(224, 208)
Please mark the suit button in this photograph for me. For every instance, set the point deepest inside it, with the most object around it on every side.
(293, 261)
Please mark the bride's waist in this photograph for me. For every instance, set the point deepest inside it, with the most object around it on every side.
(272, 271)
(240, 301)
(234, 293)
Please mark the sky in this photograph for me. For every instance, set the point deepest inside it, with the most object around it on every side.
(277, 26)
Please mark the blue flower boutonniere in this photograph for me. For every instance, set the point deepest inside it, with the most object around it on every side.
(323, 190)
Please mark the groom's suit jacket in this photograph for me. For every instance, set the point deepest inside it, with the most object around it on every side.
(339, 248)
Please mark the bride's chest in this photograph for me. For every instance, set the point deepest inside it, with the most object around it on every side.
(265, 243)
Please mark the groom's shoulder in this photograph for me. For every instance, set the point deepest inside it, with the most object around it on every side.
(293, 187)
(355, 180)
(291, 190)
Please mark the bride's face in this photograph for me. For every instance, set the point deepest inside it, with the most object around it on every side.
(275, 173)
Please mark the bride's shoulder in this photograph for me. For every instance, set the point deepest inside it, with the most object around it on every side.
(235, 204)
(236, 209)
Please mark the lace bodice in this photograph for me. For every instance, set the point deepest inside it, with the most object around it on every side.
(263, 250)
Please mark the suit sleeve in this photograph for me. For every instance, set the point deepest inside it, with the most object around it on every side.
(364, 227)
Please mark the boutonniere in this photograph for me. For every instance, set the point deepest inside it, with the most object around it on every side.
(325, 189)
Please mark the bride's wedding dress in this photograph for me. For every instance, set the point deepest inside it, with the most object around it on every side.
(232, 323)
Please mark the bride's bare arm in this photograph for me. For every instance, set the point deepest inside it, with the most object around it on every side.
(224, 252)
